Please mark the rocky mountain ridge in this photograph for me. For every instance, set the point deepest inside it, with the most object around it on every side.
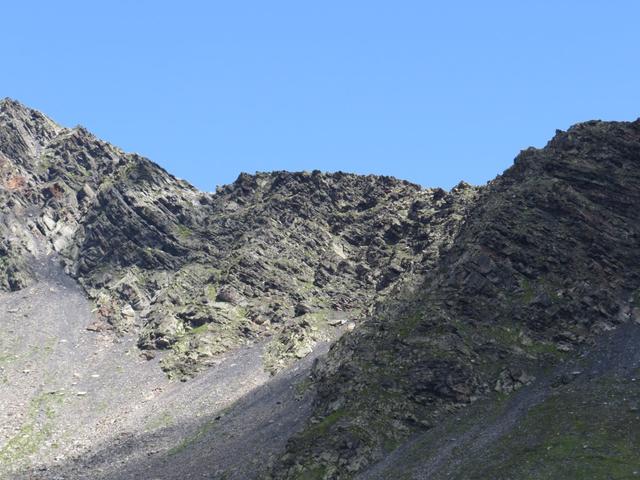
(546, 263)
(447, 305)
(274, 254)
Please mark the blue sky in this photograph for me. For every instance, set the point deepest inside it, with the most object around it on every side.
(432, 92)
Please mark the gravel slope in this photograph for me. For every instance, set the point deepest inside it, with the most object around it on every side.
(78, 404)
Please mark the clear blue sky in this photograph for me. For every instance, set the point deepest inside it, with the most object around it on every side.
(433, 92)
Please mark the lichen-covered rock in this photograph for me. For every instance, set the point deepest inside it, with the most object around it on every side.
(546, 260)
(445, 297)
(276, 245)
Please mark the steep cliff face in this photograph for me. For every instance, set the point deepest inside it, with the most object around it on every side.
(546, 261)
(23, 134)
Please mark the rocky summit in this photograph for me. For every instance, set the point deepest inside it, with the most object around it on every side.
(317, 325)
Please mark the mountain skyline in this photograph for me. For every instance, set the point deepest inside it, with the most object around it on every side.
(432, 93)
(333, 326)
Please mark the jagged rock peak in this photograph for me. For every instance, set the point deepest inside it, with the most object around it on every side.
(282, 179)
(580, 139)
(16, 111)
(24, 131)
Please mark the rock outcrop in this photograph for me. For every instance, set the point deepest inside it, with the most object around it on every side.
(546, 261)
(440, 299)
(273, 255)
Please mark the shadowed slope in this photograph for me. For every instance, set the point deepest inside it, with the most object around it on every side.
(547, 260)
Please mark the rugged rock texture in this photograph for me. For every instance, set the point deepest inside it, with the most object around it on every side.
(451, 303)
(23, 133)
(547, 260)
(289, 256)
